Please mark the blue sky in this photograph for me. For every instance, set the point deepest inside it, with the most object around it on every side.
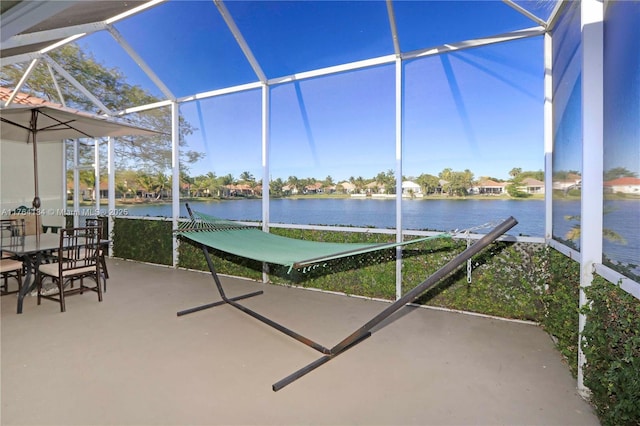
(621, 92)
(478, 109)
(622, 89)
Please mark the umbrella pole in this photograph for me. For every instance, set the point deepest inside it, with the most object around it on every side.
(36, 198)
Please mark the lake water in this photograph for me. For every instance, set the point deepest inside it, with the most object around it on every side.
(438, 215)
(623, 217)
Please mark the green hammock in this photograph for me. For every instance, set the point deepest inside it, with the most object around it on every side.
(245, 241)
(250, 242)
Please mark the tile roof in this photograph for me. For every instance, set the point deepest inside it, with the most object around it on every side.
(25, 99)
(623, 181)
(532, 182)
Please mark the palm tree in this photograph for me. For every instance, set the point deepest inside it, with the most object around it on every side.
(247, 177)
(200, 184)
(294, 183)
(161, 182)
(145, 182)
(390, 181)
(381, 181)
(359, 183)
(275, 187)
(212, 183)
(226, 179)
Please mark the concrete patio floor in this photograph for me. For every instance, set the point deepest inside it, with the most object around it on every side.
(131, 361)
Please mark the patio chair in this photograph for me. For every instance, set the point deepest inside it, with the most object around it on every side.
(11, 230)
(100, 222)
(10, 268)
(78, 260)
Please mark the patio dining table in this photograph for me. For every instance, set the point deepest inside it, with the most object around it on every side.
(33, 250)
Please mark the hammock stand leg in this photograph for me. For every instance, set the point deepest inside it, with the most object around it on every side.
(232, 301)
(221, 302)
(365, 331)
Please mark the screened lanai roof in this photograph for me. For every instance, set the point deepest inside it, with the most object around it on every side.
(176, 49)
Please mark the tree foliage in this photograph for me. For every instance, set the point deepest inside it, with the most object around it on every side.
(428, 183)
(457, 183)
(108, 84)
(618, 172)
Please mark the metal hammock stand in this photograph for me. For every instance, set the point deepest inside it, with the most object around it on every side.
(200, 225)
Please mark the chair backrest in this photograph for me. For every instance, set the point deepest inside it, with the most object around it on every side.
(30, 221)
(12, 231)
(93, 221)
(99, 222)
(6, 228)
(79, 248)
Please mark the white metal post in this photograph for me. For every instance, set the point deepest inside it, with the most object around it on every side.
(63, 183)
(175, 173)
(592, 14)
(76, 182)
(96, 174)
(398, 176)
(266, 113)
(548, 137)
(111, 178)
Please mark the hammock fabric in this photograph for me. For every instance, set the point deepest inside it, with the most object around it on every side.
(252, 243)
(249, 242)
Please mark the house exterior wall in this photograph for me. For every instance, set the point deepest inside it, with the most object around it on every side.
(411, 187)
(17, 181)
(626, 189)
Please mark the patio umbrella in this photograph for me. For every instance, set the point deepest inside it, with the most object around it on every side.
(53, 123)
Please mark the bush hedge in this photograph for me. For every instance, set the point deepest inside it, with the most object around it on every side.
(143, 240)
(561, 305)
(611, 344)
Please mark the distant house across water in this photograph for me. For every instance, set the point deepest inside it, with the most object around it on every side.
(411, 189)
(491, 187)
(623, 185)
(571, 181)
(532, 186)
(346, 187)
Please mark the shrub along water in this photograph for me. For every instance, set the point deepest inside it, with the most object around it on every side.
(611, 344)
(143, 240)
(561, 304)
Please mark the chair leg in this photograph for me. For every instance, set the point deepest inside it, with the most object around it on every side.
(98, 287)
(99, 292)
(39, 287)
(104, 271)
(4, 285)
(103, 264)
(63, 307)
